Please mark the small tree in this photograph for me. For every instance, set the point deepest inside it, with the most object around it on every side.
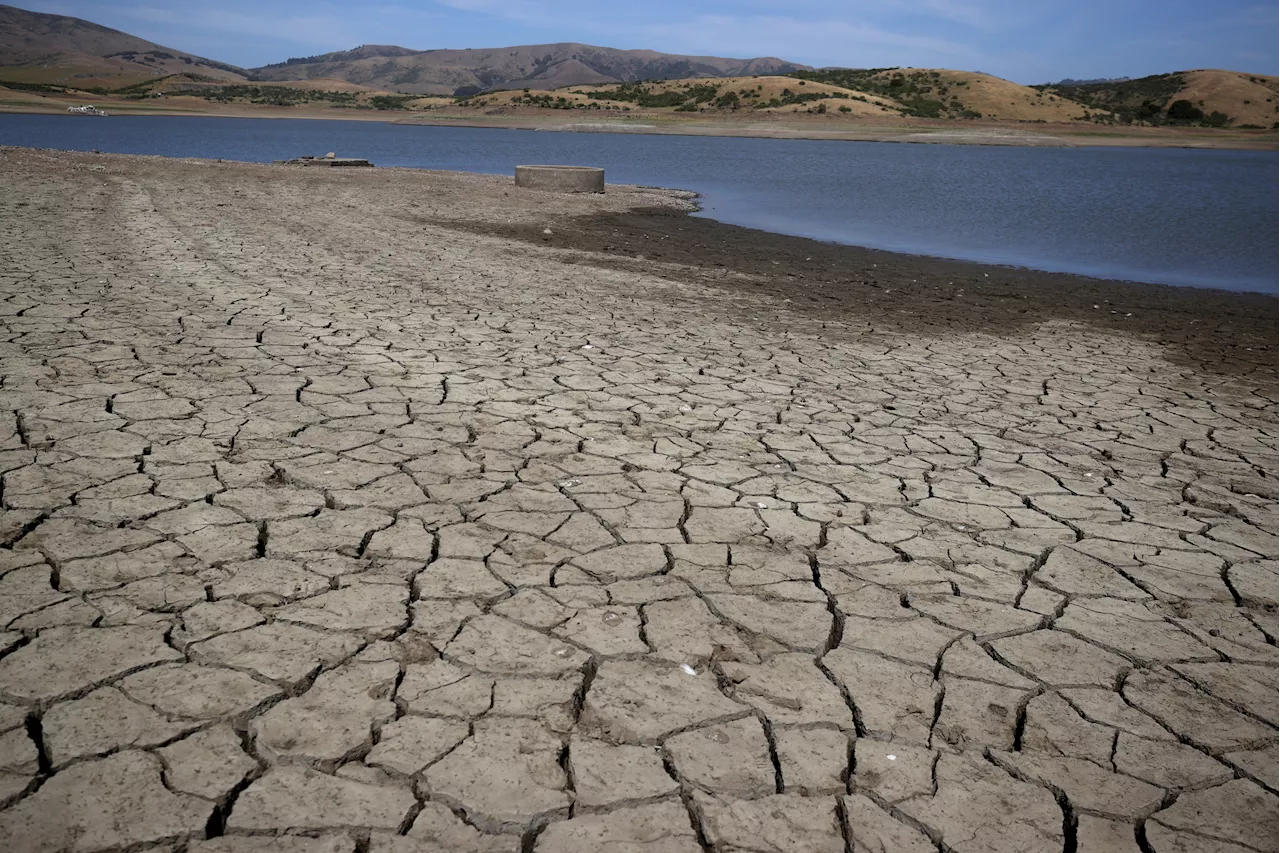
(1184, 110)
(729, 100)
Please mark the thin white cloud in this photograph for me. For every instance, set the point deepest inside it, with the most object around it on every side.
(823, 42)
(522, 11)
(978, 14)
(1259, 15)
(975, 15)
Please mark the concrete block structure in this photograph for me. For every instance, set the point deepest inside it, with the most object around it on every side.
(561, 179)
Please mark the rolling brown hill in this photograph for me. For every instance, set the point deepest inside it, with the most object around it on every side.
(995, 97)
(539, 66)
(762, 93)
(884, 93)
(1245, 99)
(59, 50)
(944, 93)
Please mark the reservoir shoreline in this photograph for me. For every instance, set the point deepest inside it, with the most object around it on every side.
(949, 132)
(1167, 216)
(650, 232)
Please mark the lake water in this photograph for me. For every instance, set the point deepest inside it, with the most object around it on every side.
(1172, 216)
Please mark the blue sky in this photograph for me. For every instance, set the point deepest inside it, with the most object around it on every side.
(1029, 42)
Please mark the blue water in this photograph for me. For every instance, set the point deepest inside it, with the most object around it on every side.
(1172, 216)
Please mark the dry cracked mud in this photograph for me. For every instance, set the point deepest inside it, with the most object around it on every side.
(331, 524)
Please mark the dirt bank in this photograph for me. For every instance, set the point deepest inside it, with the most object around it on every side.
(892, 293)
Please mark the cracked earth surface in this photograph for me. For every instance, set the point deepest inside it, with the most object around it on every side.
(328, 528)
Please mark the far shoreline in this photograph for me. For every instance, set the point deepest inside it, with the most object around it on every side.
(939, 132)
(1229, 333)
(698, 212)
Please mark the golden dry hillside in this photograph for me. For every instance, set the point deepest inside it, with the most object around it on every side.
(995, 97)
(1246, 98)
(1224, 98)
(932, 93)
(935, 93)
(428, 102)
(943, 93)
(766, 93)
(754, 88)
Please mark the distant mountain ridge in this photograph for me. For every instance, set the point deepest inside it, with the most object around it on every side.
(1071, 81)
(542, 66)
(41, 50)
(364, 51)
(70, 51)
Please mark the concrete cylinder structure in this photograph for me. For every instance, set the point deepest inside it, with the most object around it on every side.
(561, 179)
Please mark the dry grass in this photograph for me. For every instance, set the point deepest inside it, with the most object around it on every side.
(321, 84)
(507, 98)
(429, 102)
(855, 108)
(1247, 98)
(991, 96)
(768, 87)
(751, 90)
(998, 98)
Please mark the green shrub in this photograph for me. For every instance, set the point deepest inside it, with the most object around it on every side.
(34, 87)
(924, 107)
(642, 96)
(390, 102)
(1184, 110)
(279, 96)
(703, 93)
